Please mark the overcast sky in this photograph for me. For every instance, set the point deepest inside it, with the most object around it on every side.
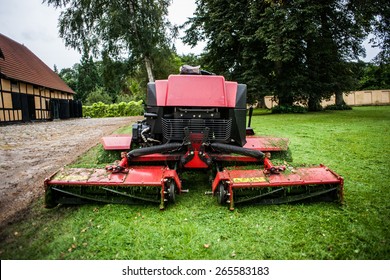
(34, 24)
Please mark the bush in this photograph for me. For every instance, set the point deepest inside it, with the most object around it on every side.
(98, 95)
(338, 107)
(281, 109)
(123, 109)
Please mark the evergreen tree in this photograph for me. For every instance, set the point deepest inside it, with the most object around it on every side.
(88, 78)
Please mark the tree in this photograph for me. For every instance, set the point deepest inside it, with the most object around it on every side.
(310, 41)
(70, 76)
(374, 16)
(295, 50)
(88, 77)
(98, 95)
(114, 74)
(190, 59)
(136, 28)
(232, 49)
(374, 76)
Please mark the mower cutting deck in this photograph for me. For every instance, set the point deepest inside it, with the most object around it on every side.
(261, 187)
(140, 184)
(194, 122)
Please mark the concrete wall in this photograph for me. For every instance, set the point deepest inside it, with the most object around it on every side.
(354, 98)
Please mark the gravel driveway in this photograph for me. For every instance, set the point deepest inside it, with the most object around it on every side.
(31, 152)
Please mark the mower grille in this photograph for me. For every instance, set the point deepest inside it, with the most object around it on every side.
(220, 129)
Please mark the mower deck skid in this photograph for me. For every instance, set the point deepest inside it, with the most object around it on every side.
(139, 184)
(259, 187)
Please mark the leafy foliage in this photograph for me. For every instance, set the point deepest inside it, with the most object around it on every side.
(88, 78)
(294, 50)
(117, 80)
(280, 109)
(101, 110)
(375, 77)
(374, 16)
(98, 95)
(338, 107)
(138, 29)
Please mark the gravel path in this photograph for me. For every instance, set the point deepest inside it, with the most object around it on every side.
(31, 152)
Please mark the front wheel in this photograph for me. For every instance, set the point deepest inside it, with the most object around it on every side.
(222, 193)
(171, 190)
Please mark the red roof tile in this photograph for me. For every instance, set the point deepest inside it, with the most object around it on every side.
(21, 64)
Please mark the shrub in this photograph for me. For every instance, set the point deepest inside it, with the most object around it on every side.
(98, 95)
(123, 109)
(281, 109)
(338, 107)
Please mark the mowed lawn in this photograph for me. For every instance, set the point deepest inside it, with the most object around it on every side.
(353, 143)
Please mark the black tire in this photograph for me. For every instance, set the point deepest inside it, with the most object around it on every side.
(172, 191)
(221, 194)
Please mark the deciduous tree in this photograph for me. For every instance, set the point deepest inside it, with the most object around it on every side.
(133, 28)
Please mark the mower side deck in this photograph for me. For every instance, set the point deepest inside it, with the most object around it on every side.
(75, 185)
(295, 185)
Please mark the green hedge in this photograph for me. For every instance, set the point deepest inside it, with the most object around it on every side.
(101, 110)
(281, 109)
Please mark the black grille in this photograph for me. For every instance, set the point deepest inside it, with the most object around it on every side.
(220, 130)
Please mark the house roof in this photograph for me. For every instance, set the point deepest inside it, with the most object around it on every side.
(19, 63)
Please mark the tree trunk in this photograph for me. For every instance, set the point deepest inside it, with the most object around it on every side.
(285, 100)
(284, 96)
(314, 105)
(148, 66)
(339, 99)
(261, 103)
(147, 61)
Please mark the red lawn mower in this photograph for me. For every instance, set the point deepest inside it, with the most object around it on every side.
(194, 121)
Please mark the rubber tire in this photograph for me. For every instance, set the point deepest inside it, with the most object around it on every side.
(221, 194)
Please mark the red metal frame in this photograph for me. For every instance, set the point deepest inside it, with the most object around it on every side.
(151, 176)
(236, 179)
(139, 176)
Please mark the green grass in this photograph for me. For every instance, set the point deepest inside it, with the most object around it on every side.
(353, 143)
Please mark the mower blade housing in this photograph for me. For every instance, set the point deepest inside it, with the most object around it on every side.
(139, 185)
(258, 187)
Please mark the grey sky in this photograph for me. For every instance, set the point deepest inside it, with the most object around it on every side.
(34, 24)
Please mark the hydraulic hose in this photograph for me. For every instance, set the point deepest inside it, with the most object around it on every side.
(225, 148)
(154, 149)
